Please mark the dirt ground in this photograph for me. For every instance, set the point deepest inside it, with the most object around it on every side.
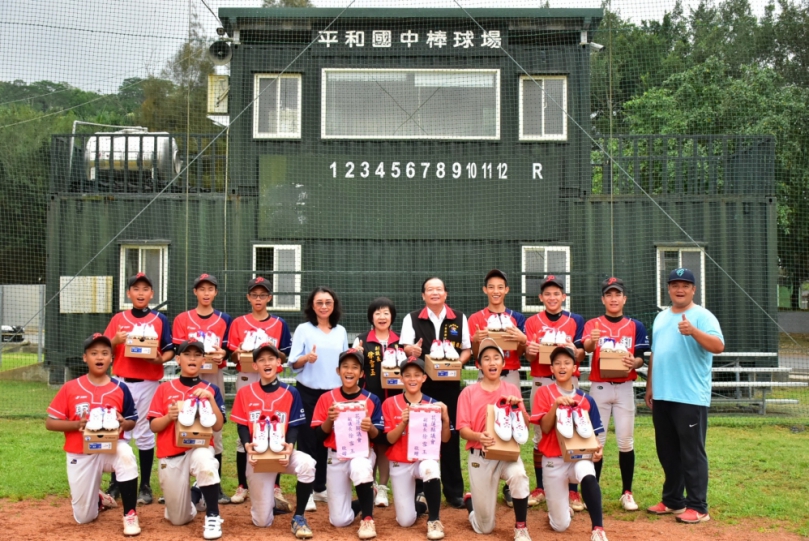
(52, 519)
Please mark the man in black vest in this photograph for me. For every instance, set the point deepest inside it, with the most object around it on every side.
(437, 321)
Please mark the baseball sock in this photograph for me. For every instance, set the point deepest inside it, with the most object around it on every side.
(219, 459)
(468, 504)
(432, 492)
(241, 468)
(591, 493)
(520, 509)
(211, 495)
(538, 469)
(573, 487)
(129, 494)
(113, 482)
(598, 466)
(302, 493)
(146, 457)
(365, 495)
(626, 461)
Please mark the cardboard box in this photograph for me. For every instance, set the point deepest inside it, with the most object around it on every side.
(544, 356)
(507, 451)
(192, 436)
(443, 370)
(210, 365)
(267, 462)
(577, 448)
(246, 363)
(391, 378)
(611, 364)
(141, 348)
(504, 340)
(100, 441)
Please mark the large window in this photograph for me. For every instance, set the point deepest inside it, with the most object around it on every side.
(277, 109)
(279, 260)
(543, 107)
(670, 258)
(410, 104)
(153, 259)
(538, 262)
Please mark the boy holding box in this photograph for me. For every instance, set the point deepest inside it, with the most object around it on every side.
(359, 471)
(178, 464)
(563, 404)
(70, 411)
(405, 472)
(274, 405)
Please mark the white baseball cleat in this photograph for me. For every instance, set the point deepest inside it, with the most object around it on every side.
(276, 435)
(322, 496)
(521, 534)
(628, 502)
(549, 338)
(519, 431)
(582, 421)
(367, 529)
(450, 352)
(131, 526)
(389, 358)
(502, 420)
(213, 527)
(110, 421)
(437, 350)
(608, 345)
(381, 499)
(564, 421)
(310, 504)
(598, 535)
(107, 501)
(493, 323)
(562, 338)
(95, 421)
(188, 413)
(401, 356)
(206, 415)
(261, 437)
(240, 495)
(435, 530)
(505, 322)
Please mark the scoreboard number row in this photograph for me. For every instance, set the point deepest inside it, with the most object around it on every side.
(423, 170)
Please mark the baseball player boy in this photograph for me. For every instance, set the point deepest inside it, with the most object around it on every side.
(69, 413)
(405, 472)
(554, 320)
(178, 464)
(210, 326)
(273, 403)
(247, 332)
(142, 376)
(615, 396)
(556, 472)
(485, 474)
(340, 474)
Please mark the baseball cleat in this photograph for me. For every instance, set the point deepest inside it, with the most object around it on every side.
(598, 534)
(505, 322)
(110, 421)
(436, 350)
(240, 495)
(564, 421)
(261, 437)
(628, 502)
(493, 323)
(310, 503)
(188, 413)
(206, 415)
(549, 338)
(95, 421)
(575, 501)
(145, 495)
(381, 499)
(301, 528)
(321, 496)
(450, 352)
(692, 516)
(401, 356)
(661, 509)
(106, 501)
(435, 530)
(536, 497)
(521, 534)
(582, 421)
(519, 431)
(389, 358)
(367, 529)
(131, 526)
(213, 527)
(281, 502)
(507, 499)
(223, 499)
(502, 420)
(276, 437)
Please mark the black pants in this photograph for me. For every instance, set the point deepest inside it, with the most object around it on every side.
(680, 431)
(307, 441)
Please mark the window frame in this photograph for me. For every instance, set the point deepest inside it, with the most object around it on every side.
(553, 137)
(296, 306)
(324, 90)
(699, 298)
(527, 307)
(123, 302)
(257, 77)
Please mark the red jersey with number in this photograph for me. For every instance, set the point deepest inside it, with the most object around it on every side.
(480, 320)
(535, 328)
(214, 327)
(629, 332)
(129, 367)
(78, 396)
(273, 330)
(252, 403)
(321, 414)
(392, 409)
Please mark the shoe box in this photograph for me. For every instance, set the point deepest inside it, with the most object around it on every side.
(100, 441)
(392, 378)
(141, 348)
(504, 340)
(210, 365)
(577, 448)
(246, 363)
(611, 364)
(544, 355)
(443, 370)
(192, 436)
(507, 451)
(268, 461)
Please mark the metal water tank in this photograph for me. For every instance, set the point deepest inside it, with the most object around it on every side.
(130, 151)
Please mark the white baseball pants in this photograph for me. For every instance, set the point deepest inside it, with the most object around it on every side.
(175, 473)
(616, 400)
(556, 476)
(403, 477)
(484, 480)
(262, 486)
(340, 475)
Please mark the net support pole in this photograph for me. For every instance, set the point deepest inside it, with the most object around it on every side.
(2, 288)
(40, 327)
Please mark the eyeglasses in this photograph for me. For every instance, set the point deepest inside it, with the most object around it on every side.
(324, 304)
(259, 296)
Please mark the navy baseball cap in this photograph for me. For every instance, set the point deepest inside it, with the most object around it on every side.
(488, 343)
(204, 277)
(259, 281)
(96, 338)
(682, 275)
(413, 361)
(266, 346)
(552, 280)
(495, 273)
(562, 349)
(188, 344)
(352, 353)
(141, 276)
(612, 283)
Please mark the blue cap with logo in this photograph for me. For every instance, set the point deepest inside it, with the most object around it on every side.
(682, 275)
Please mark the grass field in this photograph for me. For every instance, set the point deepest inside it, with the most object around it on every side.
(17, 360)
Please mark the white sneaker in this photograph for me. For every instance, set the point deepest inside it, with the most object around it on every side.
(521, 534)
(401, 356)
(367, 529)
(261, 436)
(493, 323)
(149, 332)
(450, 352)
(435, 530)
(502, 420)
(276, 435)
(549, 338)
(519, 431)
(310, 504)
(564, 421)
(437, 350)
(582, 421)
(281, 503)
(107, 501)
(505, 321)
(206, 416)
(95, 421)
(188, 413)
(213, 527)
(240, 495)
(321, 496)
(110, 421)
(628, 502)
(131, 526)
(598, 535)
(608, 345)
(381, 499)
(389, 358)
(620, 348)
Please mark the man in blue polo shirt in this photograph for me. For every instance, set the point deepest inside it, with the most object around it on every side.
(685, 338)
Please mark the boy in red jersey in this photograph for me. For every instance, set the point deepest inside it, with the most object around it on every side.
(404, 472)
(178, 464)
(247, 332)
(69, 412)
(209, 326)
(359, 471)
(268, 400)
(142, 376)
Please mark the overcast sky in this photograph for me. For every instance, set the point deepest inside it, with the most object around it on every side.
(96, 44)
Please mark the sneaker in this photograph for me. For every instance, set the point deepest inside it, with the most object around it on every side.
(131, 526)
(213, 527)
(505, 322)
(320, 496)
(110, 421)
(161, 500)
(450, 352)
(502, 420)
(206, 415)
(519, 430)
(661, 509)
(628, 502)
(575, 501)
(598, 534)
(437, 350)
(509, 501)
(493, 323)
(564, 421)
(581, 419)
(435, 530)
(240, 495)
(549, 338)
(96, 419)
(691, 516)
(261, 436)
(223, 499)
(281, 502)
(367, 529)
(188, 413)
(301, 528)
(536, 497)
(401, 356)
(381, 499)
(145, 495)
(106, 501)
(389, 358)
(113, 491)
(310, 504)
(277, 442)
(521, 534)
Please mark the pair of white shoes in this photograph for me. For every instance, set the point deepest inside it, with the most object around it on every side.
(269, 433)
(143, 331)
(392, 358)
(103, 417)
(443, 350)
(209, 340)
(509, 422)
(611, 346)
(253, 339)
(189, 412)
(552, 338)
(499, 322)
(568, 416)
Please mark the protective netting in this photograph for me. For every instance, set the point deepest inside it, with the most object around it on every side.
(368, 145)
